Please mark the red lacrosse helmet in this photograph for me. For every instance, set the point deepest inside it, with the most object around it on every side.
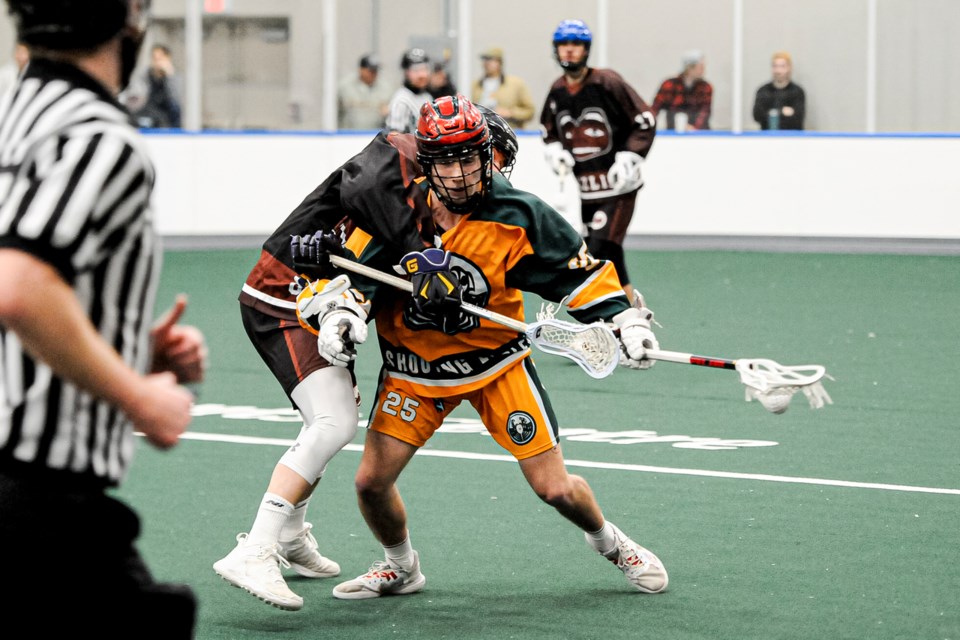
(454, 149)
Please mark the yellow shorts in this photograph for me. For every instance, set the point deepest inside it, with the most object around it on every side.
(513, 406)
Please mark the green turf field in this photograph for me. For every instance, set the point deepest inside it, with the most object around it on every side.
(839, 523)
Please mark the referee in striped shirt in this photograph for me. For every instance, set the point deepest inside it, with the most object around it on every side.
(81, 365)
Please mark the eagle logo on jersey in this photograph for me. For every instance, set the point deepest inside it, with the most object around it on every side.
(474, 288)
(521, 427)
(588, 136)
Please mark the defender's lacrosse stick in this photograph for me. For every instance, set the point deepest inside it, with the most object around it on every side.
(769, 382)
(592, 346)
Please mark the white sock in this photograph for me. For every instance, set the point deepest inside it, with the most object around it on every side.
(271, 515)
(401, 554)
(603, 541)
(296, 523)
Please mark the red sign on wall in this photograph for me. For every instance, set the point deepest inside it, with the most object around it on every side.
(215, 6)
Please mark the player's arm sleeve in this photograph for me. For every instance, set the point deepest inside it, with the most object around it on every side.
(643, 122)
(548, 122)
(379, 194)
(75, 211)
(551, 260)
(363, 248)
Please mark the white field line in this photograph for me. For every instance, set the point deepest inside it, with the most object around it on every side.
(464, 455)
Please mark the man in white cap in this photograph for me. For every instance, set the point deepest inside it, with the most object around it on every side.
(688, 94)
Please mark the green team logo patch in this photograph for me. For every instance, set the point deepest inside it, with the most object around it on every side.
(521, 427)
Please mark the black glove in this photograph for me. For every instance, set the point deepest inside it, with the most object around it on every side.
(436, 289)
(311, 253)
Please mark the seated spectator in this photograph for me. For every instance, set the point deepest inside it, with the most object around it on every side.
(508, 96)
(780, 104)
(687, 93)
(161, 106)
(362, 99)
(440, 83)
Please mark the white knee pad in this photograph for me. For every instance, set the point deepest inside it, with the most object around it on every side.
(327, 403)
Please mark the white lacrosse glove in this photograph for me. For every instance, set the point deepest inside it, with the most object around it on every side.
(337, 314)
(635, 337)
(558, 158)
(624, 176)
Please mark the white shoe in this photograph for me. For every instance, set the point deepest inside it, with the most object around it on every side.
(304, 556)
(383, 579)
(255, 568)
(642, 568)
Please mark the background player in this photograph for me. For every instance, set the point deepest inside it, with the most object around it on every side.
(596, 125)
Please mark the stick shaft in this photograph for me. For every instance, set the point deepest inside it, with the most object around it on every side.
(405, 285)
(689, 358)
(520, 327)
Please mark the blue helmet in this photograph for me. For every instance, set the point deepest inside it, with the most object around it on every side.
(572, 31)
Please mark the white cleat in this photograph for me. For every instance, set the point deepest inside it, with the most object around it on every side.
(383, 579)
(255, 568)
(304, 556)
(641, 567)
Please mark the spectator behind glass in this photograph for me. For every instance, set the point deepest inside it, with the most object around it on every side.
(440, 83)
(362, 99)
(404, 109)
(161, 105)
(688, 94)
(10, 71)
(508, 96)
(780, 104)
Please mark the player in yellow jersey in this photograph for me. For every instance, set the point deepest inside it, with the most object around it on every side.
(497, 242)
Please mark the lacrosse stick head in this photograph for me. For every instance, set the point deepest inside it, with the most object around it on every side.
(592, 346)
(773, 384)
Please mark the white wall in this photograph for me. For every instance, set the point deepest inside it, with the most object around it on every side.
(759, 184)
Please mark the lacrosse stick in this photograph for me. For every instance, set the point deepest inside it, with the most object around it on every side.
(560, 201)
(592, 346)
(769, 382)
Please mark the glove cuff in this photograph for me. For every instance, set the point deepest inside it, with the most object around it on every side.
(633, 317)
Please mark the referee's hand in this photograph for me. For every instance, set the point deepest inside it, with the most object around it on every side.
(180, 349)
(162, 410)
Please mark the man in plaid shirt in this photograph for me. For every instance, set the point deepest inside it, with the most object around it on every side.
(687, 93)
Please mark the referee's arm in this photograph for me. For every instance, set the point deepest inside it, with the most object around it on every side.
(44, 313)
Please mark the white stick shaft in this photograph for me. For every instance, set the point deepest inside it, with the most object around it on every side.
(669, 356)
(405, 285)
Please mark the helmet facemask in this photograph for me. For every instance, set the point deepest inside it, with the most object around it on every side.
(454, 150)
(461, 182)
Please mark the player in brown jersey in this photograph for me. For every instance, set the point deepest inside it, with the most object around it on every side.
(597, 126)
(497, 242)
(380, 190)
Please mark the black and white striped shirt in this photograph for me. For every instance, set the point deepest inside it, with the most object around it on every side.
(404, 111)
(75, 185)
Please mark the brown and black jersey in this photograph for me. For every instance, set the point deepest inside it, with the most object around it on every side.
(594, 120)
(378, 191)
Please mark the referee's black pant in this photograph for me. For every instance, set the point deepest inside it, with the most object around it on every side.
(69, 563)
